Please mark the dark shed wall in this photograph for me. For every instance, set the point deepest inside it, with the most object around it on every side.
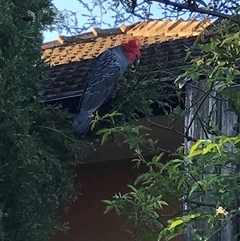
(101, 179)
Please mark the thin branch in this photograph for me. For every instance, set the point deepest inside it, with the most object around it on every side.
(192, 8)
(195, 181)
(217, 230)
(159, 219)
(203, 98)
(58, 132)
(196, 102)
(199, 204)
(164, 150)
(159, 149)
(203, 127)
(189, 138)
(170, 216)
(198, 88)
(137, 227)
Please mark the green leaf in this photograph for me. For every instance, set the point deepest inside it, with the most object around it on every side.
(195, 149)
(105, 137)
(195, 153)
(133, 188)
(175, 223)
(157, 158)
(161, 202)
(108, 209)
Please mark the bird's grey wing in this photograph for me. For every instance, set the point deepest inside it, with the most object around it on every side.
(101, 83)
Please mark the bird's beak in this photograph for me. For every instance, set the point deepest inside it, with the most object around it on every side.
(135, 63)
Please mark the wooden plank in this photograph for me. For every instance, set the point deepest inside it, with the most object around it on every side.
(214, 111)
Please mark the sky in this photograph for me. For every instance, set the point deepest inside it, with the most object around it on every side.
(72, 5)
(75, 6)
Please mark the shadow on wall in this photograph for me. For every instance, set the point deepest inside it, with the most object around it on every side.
(167, 140)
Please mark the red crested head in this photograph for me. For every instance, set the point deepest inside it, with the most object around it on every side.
(132, 49)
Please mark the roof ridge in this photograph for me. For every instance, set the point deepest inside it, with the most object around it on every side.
(89, 36)
(145, 28)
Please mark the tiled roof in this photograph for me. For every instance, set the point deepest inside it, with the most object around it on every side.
(70, 57)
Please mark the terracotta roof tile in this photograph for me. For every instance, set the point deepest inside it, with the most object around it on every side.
(70, 57)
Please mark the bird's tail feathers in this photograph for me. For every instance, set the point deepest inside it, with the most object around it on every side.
(82, 123)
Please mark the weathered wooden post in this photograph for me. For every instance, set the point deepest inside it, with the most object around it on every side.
(205, 110)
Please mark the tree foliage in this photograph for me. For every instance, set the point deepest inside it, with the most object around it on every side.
(38, 151)
(205, 177)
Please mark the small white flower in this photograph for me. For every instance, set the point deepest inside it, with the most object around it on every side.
(221, 210)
